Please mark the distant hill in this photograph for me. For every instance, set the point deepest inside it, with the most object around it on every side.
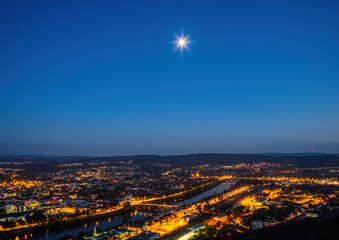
(302, 160)
(226, 159)
(296, 154)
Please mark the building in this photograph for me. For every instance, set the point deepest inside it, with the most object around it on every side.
(123, 233)
(189, 217)
(13, 217)
(146, 235)
(256, 224)
(311, 214)
(197, 227)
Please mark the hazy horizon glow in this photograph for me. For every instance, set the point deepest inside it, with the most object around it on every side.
(102, 78)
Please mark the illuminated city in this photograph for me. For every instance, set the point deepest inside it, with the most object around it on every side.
(169, 120)
(151, 197)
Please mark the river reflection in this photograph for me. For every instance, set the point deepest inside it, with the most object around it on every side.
(218, 189)
(103, 224)
(111, 222)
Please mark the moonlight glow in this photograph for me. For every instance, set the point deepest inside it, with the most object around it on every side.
(182, 42)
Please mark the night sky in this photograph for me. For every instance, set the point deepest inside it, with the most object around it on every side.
(103, 77)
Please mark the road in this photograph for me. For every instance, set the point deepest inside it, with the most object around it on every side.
(184, 230)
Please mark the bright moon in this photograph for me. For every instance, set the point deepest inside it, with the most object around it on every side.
(182, 42)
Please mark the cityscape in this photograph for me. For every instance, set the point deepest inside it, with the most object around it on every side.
(169, 120)
(151, 197)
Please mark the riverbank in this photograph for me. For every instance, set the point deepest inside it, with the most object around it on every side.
(190, 194)
(60, 226)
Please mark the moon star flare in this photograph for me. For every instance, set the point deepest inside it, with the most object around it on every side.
(182, 42)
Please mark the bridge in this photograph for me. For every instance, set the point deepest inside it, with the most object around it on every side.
(156, 205)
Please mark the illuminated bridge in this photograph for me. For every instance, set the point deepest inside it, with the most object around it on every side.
(156, 205)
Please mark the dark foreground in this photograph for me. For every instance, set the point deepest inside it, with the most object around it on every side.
(326, 227)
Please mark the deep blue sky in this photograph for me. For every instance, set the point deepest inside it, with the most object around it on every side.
(102, 77)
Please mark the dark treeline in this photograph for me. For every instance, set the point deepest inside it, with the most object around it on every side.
(317, 160)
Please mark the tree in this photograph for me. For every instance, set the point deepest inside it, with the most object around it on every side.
(218, 224)
(37, 217)
(21, 222)
(228, 213)
(81, 235)
(239, 210)
(2, 211)
(77, 212)
(127, 204)
(209, 232)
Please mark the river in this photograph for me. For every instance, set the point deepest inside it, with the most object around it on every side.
(111, 222)
(218, 189)
(103, 224)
